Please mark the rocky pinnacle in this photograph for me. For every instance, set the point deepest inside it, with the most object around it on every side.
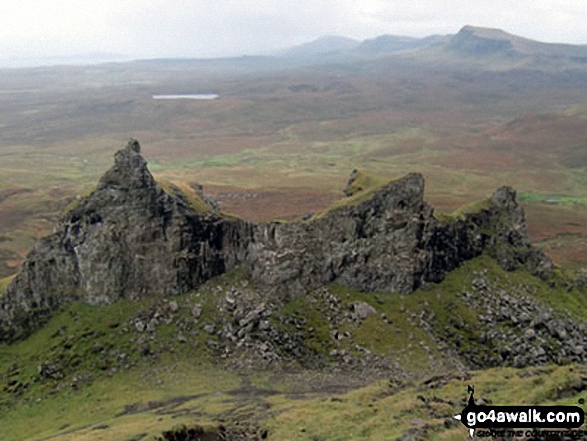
(130, 238)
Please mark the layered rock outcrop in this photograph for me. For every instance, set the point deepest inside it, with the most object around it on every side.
(130, 238)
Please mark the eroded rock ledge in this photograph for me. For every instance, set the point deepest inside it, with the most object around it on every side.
(131, 238)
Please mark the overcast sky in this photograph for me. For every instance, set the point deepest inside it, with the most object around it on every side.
(211, 28)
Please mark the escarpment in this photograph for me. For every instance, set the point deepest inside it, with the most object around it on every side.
(132, 238)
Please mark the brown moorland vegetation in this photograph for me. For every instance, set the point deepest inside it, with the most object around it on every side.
(290, 136)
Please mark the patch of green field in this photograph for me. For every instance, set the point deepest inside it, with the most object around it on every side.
(558, 294)
(578, 110)
(319, 340)
(244, 157)
(398, 339)
(552, 199)
(406, 342)
(91, 339)
(102, 369)
(218, 161)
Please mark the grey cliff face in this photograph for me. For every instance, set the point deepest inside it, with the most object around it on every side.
(371, 246)
(391, 242)
(127, 239)
(130, 239)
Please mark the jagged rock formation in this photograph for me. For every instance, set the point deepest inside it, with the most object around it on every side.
(389, 242)
(128, 238)
(131, 238)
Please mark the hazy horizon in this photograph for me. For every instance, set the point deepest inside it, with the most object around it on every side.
(66, 32)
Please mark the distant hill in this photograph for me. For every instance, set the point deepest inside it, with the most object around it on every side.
(477, 44)
(394, 43)
(336, 45)
(477, 41)
(476, 47)
(325, 45)
(63, 60)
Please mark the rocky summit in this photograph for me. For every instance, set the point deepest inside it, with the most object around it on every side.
(133, 237)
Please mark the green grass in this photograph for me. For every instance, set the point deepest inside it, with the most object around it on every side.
(552, 199)
(103, 402)
(184, 191)
(451, 312)
(319, 340)
(398, 338)
(220, 161)
(377, 412)
(401, 338)
(75, 202)
(461, 213)
(555, 294)
(92, 339)
(362, 189)
(4, 283)
(374, 412)
(69, 341)
(212, 161)
(246, 156)
(34, 408)
(578, 110)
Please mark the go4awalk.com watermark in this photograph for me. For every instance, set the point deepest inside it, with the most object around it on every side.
(509, 421)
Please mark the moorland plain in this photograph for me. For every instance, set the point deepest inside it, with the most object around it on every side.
(284, 135)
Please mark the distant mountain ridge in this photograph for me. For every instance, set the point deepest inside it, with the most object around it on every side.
(469, 41)
(394, 43)
(479, 41)
(321, 46)
(332, 45)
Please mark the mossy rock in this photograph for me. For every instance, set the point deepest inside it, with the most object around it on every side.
(360, 188)
(4, 283)
(183, 190)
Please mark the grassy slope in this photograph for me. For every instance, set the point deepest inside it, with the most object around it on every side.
(362, 189)
(375, 412)
(4, 283)
(183, 190)
(86, 343)
(378, 412)
(181, 384)
(462, 212)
